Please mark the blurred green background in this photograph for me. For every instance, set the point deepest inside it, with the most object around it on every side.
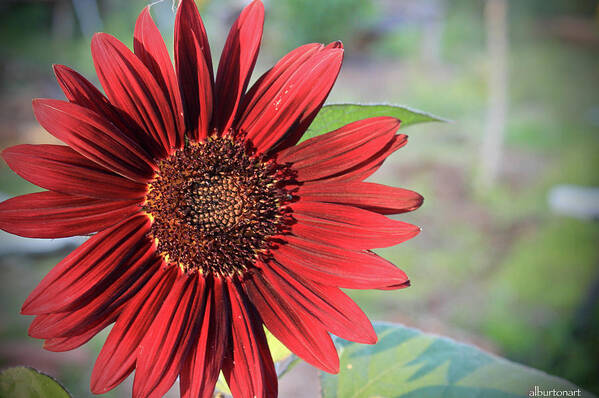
(496, 265)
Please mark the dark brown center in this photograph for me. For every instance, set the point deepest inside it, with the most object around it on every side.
(214, 207)
(216, 204)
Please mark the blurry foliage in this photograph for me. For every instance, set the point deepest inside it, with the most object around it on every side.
(535, 272)
(22, 49)
(398, 43)
(465, 34)
(554, 7)
(306, 21)
(32, 37)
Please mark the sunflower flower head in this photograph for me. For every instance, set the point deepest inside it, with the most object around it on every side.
(215, 208)
(209, 220)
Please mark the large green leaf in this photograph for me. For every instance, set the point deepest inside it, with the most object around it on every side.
(410, 364)
(334, 116)
(23, 382)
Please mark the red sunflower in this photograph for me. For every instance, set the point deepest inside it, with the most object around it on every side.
(211, 220)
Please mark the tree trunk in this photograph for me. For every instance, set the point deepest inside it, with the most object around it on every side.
(497, 47)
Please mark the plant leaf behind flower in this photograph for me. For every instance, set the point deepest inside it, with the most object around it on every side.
(407, 363)
(334, 116)
(24, 382)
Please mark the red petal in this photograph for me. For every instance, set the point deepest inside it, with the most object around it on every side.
(194, 69)
(94, 137)
(333, 308)
(248, 369)
(365, 169)
(80, 91)
(59, 327)
(303, 335)
(99, 266)
(169, 339)
(131, 87)
(201, 368)
(334, 266)
(61, 169)
(97, 314)
(61, 344)
(188, 22)
(118, 295)
(236, 64)
(278, 74)
(117, 358)
(56, 215)
(296, 132)
(286, 65)
(151, 50)
(340, 150)
(348, 227)
(289, 94)
(101, 310)
(375, 197)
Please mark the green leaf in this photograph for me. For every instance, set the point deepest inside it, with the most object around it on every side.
(334, 116)
(278, 351)
(23, 382)
(410, 364)
(221, 386)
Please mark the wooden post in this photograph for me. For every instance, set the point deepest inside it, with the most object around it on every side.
(88, 16)
(497, 47)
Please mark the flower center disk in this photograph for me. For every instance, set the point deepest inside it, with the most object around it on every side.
(214, 207)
